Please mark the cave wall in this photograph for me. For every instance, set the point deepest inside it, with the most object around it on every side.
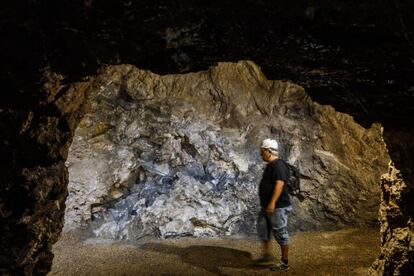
(356, 56)
(157, 155)
(397, 251)
(34, 184)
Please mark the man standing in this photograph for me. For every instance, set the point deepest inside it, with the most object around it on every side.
(275, 206)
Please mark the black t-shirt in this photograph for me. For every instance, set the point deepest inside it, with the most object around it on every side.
(275, 170)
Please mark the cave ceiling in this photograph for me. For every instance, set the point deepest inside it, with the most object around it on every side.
(354, 55)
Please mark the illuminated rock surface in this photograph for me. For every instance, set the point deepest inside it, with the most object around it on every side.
(177, 155)
(397, 228)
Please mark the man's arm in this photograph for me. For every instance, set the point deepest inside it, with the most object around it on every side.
(275, 196)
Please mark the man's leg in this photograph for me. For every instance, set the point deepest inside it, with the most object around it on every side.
(264, 229)
(285, 252)
(280, 231)
(267, 248)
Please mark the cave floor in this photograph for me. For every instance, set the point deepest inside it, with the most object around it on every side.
(344, 252)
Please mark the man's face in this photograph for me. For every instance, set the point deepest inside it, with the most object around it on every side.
(265, 154)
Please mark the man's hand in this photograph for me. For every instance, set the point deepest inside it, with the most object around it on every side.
(270, 208)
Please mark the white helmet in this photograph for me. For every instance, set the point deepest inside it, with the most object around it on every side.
(269, 144)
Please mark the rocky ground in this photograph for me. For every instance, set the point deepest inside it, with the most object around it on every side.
(345, 252)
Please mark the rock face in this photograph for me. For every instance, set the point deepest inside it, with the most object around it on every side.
(178, 155)
(32, 212)
(397, 228)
